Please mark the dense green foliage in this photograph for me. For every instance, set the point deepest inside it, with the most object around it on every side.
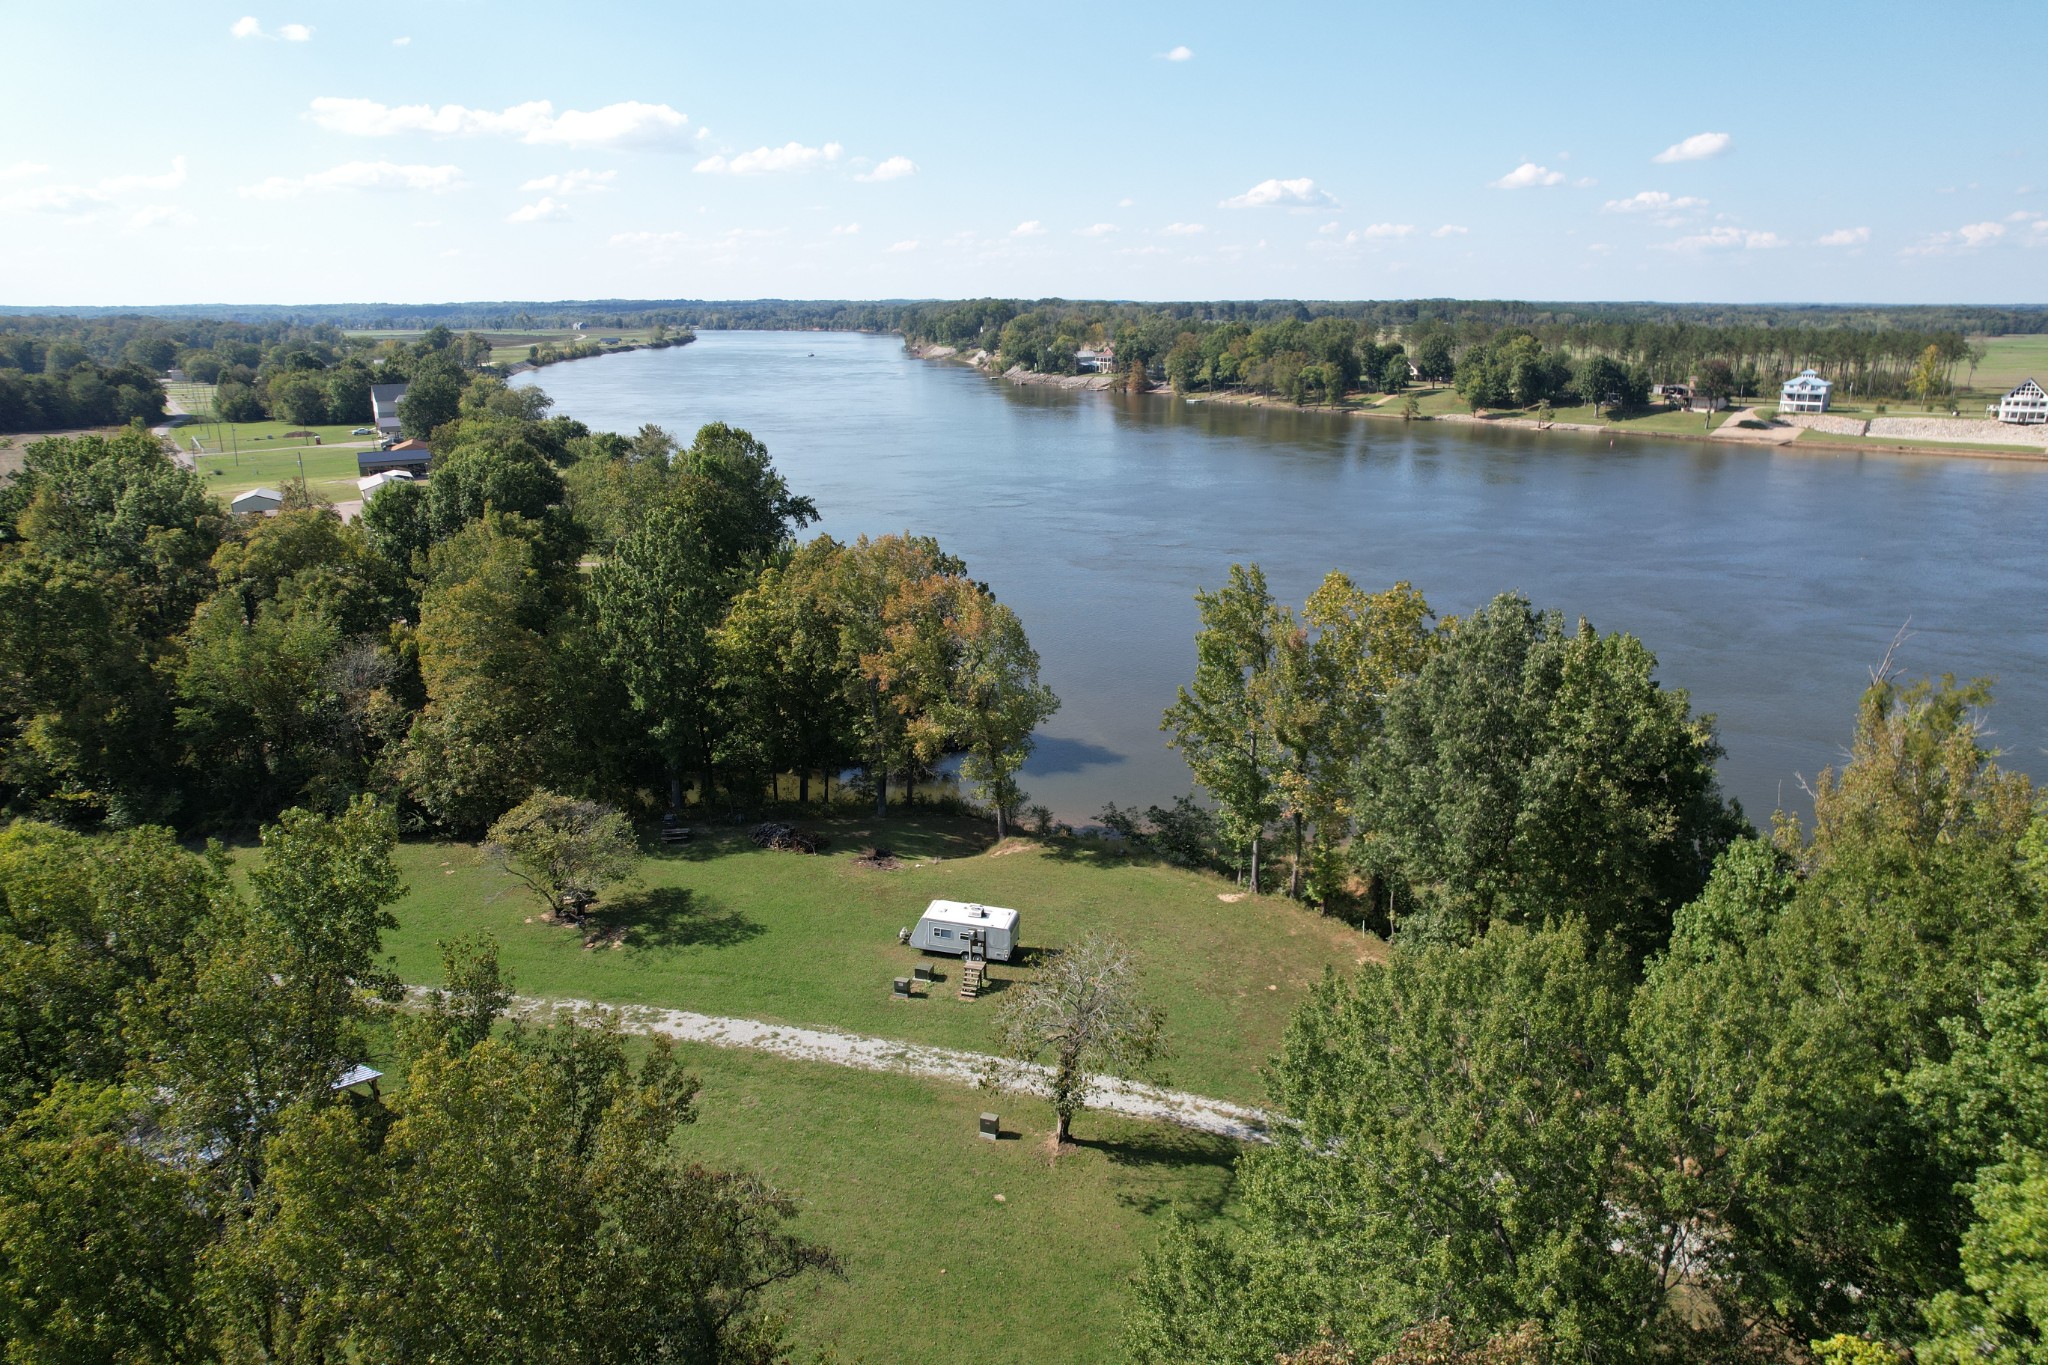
(182, 1178)
(163, 662)
(85, 394)
(1804, 1119)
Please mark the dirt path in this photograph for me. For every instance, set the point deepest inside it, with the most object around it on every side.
(885, 1054)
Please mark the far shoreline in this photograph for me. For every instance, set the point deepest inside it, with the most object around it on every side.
(1240, 398)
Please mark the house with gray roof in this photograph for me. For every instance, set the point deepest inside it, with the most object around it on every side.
(384, 407)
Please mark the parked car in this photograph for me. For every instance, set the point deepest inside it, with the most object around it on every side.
(362, 431)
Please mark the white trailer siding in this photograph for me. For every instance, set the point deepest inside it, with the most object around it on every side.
(952, 926)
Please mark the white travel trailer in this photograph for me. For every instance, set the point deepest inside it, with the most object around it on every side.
(964, 929)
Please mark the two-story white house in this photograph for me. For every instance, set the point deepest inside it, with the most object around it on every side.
(2024, 406)
(1806, 392)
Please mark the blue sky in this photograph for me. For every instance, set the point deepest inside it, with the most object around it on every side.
(284, 151)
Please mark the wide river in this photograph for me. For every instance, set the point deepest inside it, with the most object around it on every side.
(1768, 582)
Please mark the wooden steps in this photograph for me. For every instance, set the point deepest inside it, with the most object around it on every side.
(972, 975)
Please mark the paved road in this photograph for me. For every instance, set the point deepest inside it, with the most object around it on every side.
(886, 1054)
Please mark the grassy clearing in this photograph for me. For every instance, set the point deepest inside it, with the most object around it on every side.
(725, 928)
(1667, 420)
(890, 1173)
(232, 458)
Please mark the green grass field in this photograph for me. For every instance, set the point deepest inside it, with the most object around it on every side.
(888, 1170)
(2007, 361)
(725, 928)
(246, 455)
(890, 1173)
(196, 399)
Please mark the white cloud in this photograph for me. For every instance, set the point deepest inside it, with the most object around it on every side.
(1183, 229)
(22, 168)
(1526, 175)
(169, 180)
(401, 42)
(1698, 147)
(546, 209)
(1653, 201)
(1382, 230)
(846, 230)
(1030, 227)
(1299, 193)
(1727, 239)
(158, 215)
(790, 156)
(628, 123)
(648, 238)
(248, 26)
(1096, 230)
(1178, 54)
(573, 182)
(1970, 235)
(1144, 251)
(360, 175)
(1450, 230)
(1855, 236)
(86, 198)
(909, 244)
(891, 168)
(1125, 202)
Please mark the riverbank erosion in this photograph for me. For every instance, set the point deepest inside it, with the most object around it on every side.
(1929, 435)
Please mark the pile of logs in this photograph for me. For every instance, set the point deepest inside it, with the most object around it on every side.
(788, 838)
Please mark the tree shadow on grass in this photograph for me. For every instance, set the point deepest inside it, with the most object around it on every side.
(1104, 853)
(1187, 1170)
(676, 917)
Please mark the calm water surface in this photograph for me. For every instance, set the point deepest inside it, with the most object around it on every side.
(1767, 582)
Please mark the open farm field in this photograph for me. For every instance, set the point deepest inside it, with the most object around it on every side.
(724, 928)
(2008, 360)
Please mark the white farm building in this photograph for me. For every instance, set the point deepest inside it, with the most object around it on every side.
(2024, 406)
(1806, 392)
(964, 929)
(256, 500)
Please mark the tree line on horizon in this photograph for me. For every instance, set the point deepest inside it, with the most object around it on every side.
(1320, 358)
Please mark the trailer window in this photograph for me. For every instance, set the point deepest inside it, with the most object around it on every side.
(942, 933)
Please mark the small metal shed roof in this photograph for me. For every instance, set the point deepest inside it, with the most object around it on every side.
(357, 1075)
(971, 915)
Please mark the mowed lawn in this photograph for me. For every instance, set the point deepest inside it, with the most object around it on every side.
(889, 1172)
(724, 928)
(260, 454)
